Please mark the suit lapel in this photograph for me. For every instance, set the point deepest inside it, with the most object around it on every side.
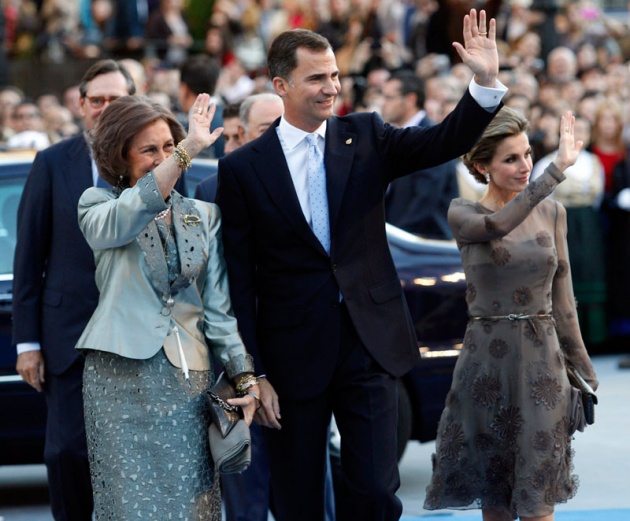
(338, 158)
(271, 167)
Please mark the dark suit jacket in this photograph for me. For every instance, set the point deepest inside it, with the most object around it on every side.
(54, 293)
(418, 203)
(284, 287)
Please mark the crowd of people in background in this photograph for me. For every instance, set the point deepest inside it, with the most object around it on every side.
(555, 56)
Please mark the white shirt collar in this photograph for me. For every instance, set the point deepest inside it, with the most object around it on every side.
(415, 120)
(293, 136)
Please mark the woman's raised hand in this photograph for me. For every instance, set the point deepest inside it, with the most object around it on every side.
(199, 119)
(568, 149)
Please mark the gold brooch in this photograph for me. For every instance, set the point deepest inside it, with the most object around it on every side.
(192, 219)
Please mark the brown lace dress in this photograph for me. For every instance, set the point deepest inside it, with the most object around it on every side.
(504, 439)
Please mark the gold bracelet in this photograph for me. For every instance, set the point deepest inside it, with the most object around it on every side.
(181, 157)
(245, 383)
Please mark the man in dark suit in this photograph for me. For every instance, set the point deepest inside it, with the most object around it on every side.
(417, 203)
(54, 293)
(320, 307)
(199, 74)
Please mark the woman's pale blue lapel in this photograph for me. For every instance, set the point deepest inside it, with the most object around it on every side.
(150, 243)
(189, 234)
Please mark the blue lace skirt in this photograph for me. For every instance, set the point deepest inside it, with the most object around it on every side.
(147, 440)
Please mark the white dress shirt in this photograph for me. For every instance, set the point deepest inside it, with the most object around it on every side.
(295, 148)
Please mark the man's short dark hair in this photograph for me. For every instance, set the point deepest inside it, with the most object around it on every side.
(200, 74)
(410, 84)
(282, 55)
(105, 67)
(231, 110)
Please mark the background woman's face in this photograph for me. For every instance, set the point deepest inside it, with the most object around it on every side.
(148, 149)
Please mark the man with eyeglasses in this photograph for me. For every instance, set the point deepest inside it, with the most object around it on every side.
(54, 293)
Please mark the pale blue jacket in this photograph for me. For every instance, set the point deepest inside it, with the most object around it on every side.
(132, 318)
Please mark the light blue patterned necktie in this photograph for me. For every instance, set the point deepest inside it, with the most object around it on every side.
(317, 192)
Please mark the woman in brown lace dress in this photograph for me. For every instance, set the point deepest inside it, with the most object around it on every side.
(504, 440)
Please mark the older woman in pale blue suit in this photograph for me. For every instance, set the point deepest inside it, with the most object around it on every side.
(164, 303)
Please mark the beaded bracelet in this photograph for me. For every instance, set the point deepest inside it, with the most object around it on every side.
(182, 157)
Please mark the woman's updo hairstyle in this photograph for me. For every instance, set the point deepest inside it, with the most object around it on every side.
(507, 123)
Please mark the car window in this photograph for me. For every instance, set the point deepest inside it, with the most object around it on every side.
(199, 170)
(10, 192)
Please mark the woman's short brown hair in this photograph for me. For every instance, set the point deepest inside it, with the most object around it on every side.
(118, 125)
(507, 123)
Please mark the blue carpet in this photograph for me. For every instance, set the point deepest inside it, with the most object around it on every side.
(578, 515)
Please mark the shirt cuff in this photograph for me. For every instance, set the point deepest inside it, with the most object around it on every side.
(487, 97)
(24, 347)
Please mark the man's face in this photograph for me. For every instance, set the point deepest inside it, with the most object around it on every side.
(394, 104)
(101, 91)
(27, 117)
(231, 134)
(310, 92)
(261, 115)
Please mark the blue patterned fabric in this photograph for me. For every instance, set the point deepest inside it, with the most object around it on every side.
(317, 193)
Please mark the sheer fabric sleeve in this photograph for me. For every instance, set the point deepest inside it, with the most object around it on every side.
(564, 306)
(470, 226)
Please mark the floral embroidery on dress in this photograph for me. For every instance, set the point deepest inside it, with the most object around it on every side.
(546, 391)
(531, 334)
(544, 239)
(500, 256)
(541, 441)
(563, 268)
(486, 390)
(471, 292)
(498, 348)
(452, 441)
(522, 296)
(507, 423)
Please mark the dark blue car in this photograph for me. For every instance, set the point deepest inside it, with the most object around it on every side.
(430, 273)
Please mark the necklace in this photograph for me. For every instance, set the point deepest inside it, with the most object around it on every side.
(162, 214)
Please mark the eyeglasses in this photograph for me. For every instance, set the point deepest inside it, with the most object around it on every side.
(98, 102)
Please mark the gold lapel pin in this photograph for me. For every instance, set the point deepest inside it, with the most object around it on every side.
(349, 141)
(192, 219)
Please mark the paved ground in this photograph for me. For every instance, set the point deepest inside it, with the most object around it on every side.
(602, 461)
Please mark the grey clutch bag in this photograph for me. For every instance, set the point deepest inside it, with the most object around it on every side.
(586, 395)
(223, 415)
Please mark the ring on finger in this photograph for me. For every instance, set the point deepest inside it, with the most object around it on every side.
(483, 33)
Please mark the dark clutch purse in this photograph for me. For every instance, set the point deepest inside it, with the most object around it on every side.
(224, 416)
(587, 395)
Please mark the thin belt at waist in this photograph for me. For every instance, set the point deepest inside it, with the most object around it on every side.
(514, 316)
(531, 319)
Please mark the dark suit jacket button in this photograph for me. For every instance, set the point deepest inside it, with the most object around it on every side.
(334, 267)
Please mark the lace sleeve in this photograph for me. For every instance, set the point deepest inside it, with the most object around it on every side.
(564, 306)
(469, 226)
